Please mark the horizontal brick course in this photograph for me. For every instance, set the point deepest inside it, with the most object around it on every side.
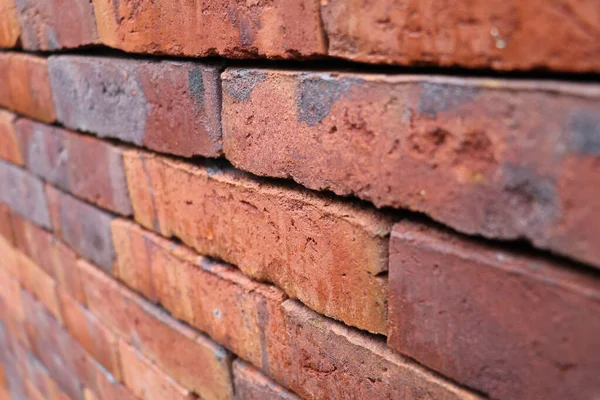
(26, 86)
(508, 325)
(24, 194)
(86, 167)
(251, 384)
(130, 100)
(56, 24)
(194, 361)
(230, 28)
(270, 232)
(504, 35)
(496, 158)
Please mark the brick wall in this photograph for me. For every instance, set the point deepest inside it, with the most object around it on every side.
(285, 199)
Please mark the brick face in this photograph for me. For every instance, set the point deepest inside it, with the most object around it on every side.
(56, 24)
(9, 24)
(230, 28)
(502, 35)
(26, 88)
(270, 232)
(495, 158)
(83, 166)
(10, 149)
(508, 325)
(251, 384)
(128, 100)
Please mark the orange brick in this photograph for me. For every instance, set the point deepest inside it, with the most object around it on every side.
(10, 149)
(194, 361)
(6, 229)
(240, 314)
(10, 30)
(251, 384)
(97, 340)
(291, 237)
(26, 86)
(146, 380)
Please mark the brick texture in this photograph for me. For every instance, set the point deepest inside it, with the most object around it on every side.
(508, 325)
(251, 384)
(10, 149)
(86, 167)
(495, 158)
(270, 232)
(10, 30)
(129, 100)
(56, 24)
(230, 28)
(26, 86)
(503, 35)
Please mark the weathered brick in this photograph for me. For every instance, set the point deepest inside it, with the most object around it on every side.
(6, 229)
(330, 360)
(40, 378)
(172, 107)
(240, 314)
(24, 194)
(11, 307)
(26, 86)
(251, 384)
(50, 254)
(13, 374)
(56, 24)
(10, 31)
(497, 34)
(271, 232)
(84, 166)
(83, 227)
(10, 149)
(510, 325)
(502, 159)
(97, 340)
(146, 380)
(231, 28)
(194, 361)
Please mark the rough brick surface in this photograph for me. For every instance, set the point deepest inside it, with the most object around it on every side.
(240, 314)
(511, 326)
(330, 360)
(83, 227)
(86, 167)
(194, 361)
(146, 380)
(9, 143)
(6, 229)
(26, 86)
(251, 384)
(287, 236)
(132, 101)
(230, 28)
(497, 158)
(495, 34)
(56, 24)
(24, 194)
(10, 30)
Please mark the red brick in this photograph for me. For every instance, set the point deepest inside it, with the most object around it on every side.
(502, 159)
(240, 314)
(10, 149)
(26, 86)
(11, 307)
(97, 340)
(86, 167)
(271, 232)
(146, 380)
(171, 107)
(497, 34)
(41, 380)
(510, 325)
(251, 384)
(10, 30)
(6, 229)
(50, 254)
(330, 360)
(192, 360)
(231, 28)
(24, 194)
(12, 363)
(56, 24)
(83, 227)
